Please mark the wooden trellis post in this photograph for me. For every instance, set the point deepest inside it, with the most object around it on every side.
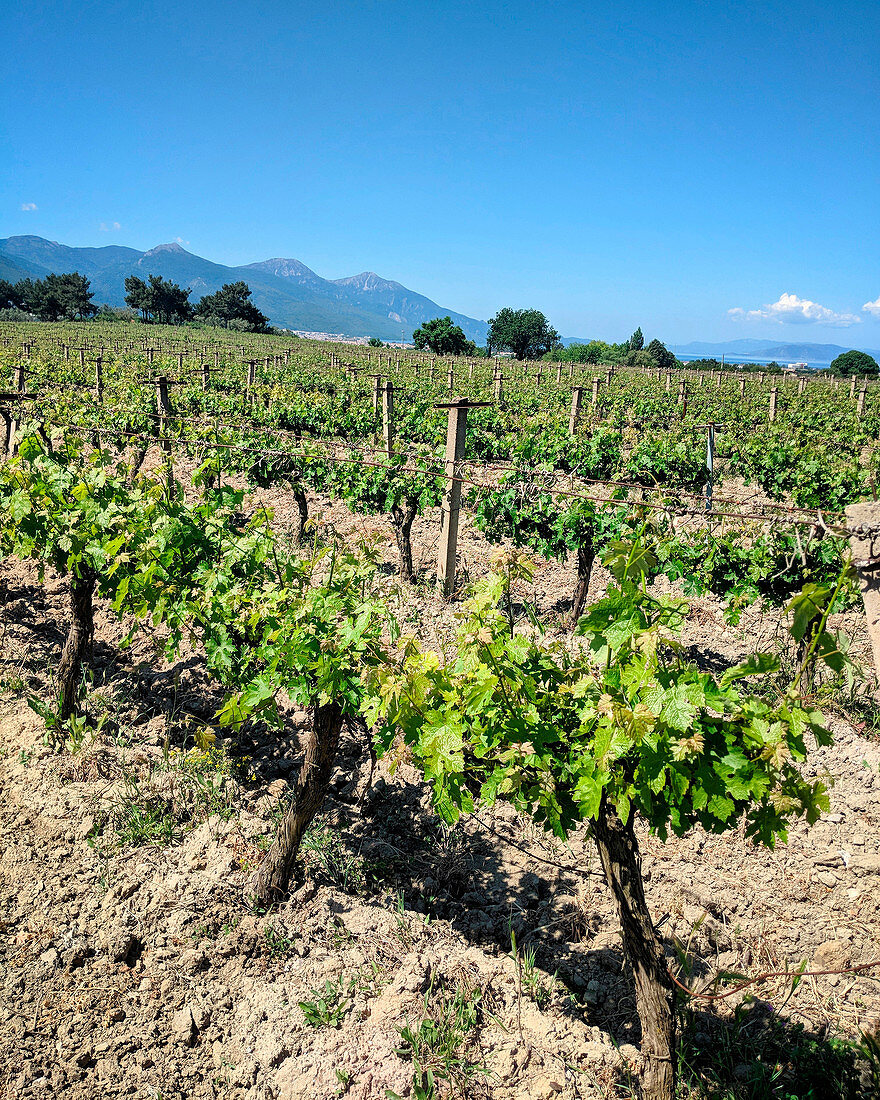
(377, 394)
(388, 418)
(597, 382)
(860, 404)
(498, 388)
(576, 397)
(774, 394)
(9, 421)
(99, 378)
(710, 463)
(863, 521)
(449, 512)
(558, 373)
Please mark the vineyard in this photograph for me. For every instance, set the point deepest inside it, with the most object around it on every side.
(382, 725)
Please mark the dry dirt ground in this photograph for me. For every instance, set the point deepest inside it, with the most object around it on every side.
(131, 964)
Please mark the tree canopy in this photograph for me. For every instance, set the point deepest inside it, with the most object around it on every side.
(442, 337)
(231, 307)
(525, 332)
(159, 300)
(661, 356)
(56, 298)
(636, 341)
(596, 351)
(849, 363)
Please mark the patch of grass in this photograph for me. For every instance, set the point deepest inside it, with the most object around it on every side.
(278, 941)
(756, 1056)
(327, 854)
(329, 1006)
(538, 986)
(12, 683)
(439, 1045)
(165, 798)
(149, 823)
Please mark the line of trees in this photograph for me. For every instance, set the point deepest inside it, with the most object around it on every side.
(56, 298)
(165, 302)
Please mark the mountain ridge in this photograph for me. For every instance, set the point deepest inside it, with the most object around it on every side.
(285, 289)
(774, 349)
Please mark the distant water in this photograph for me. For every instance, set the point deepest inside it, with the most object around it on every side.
(757, 360)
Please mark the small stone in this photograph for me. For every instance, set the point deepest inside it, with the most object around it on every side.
(543, 1087)
(830, 955)
(183, 1027)
(118, 942)
(826, 878)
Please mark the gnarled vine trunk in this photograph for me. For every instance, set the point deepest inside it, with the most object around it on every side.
(78, 643)
(402, 519)
(585, 557)
(302, 505)
(655, 992)
(273, 877)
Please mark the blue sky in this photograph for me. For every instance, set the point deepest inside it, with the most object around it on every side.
(614, 165)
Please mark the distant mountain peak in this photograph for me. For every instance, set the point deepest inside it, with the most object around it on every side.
(285, 267)
(368, 280)
(171, 246)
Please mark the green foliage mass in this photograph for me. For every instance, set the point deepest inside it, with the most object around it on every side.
(441, 337)
(553, 729)
(525, 332)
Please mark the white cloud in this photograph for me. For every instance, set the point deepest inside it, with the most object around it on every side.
(105, 228)
(791, 310)
(28, 207)
(872, 307)
(180, 240)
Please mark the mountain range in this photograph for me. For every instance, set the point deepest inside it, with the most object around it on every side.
(767, 349)
(289, 293)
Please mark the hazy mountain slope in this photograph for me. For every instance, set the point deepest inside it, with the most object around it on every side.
(815, 353)
(288, 292)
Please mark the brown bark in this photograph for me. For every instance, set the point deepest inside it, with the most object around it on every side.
(78, 643)
(585, 558)
(655, 992)
(402, 519)
(273, 877)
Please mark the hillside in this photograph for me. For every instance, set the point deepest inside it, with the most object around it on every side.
(286, 290)
(814, 353)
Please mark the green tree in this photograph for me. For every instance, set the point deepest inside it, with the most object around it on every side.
(169, 303)
(442, 337)
(854, 362)
(375, 342)
(525, 332)
(596, 351)
(138, 296)
(232, 303)
(56, 298)
(637, 341)
(661, 356)
(159, 300)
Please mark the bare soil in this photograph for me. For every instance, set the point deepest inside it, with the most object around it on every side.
(132, 965)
